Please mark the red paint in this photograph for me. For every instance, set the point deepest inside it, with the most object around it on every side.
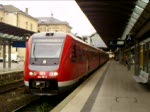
(88, 58)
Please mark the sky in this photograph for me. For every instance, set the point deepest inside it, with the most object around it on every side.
(64, 10)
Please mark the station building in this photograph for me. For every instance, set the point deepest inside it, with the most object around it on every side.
(15, 17)
(52, 24)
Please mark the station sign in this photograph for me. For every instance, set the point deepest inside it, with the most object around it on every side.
(21, 44)
(129, 38)
(116, 43)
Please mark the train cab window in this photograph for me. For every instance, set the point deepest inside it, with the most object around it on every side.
(46, 50)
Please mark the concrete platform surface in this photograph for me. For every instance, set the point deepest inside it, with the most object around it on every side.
(14, 67)
(110, 89)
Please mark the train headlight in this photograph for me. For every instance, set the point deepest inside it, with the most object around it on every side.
(32, 73)
(53, 73)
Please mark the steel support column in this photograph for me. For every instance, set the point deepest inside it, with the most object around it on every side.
(137, 59)
(9, 54)
(4, 55)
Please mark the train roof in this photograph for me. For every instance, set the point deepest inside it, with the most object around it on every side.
(62, 35)
(74, 37)
(49, 34)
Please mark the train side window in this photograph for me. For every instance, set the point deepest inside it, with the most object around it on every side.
(74, 54)
(82, 55)
(79, 54)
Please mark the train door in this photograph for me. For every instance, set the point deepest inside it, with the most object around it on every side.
(87, 60)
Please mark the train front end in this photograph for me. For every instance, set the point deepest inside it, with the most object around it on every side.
(43, 56)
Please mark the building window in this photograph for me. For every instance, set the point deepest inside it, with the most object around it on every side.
(40, 29)
(1, 19)
(31, 26)
(44, 29)
(26, 25)
(48, 29)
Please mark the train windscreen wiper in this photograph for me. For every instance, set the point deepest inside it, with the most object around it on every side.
(34, 53)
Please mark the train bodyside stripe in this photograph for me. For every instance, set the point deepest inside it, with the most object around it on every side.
(60, 84)
(68, 83)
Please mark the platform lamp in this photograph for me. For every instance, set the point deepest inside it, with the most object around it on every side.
(26, 36)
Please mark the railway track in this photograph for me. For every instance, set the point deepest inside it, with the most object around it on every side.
(45, 103)
(14, 97)
(11, 86)
(14, 94)
(42, 104)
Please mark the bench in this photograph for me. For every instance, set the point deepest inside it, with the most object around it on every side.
(143, 77)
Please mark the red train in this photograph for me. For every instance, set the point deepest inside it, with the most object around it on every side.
(57, 61)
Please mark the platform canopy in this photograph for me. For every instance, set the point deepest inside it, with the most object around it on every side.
(13, 33)
(114, 19)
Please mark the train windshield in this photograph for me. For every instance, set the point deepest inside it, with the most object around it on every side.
(46, 49)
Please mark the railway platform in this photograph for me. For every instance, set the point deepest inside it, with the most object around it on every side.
(10, 75)
(111, 88)
(14, 67)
